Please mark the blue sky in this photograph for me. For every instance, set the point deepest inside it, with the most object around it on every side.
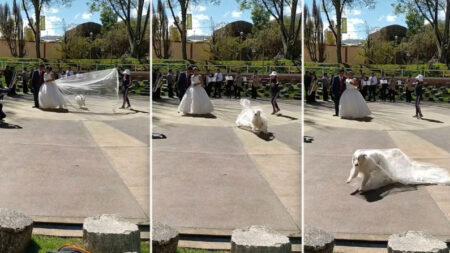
(225, 12)
(76, 13)
(359, 18)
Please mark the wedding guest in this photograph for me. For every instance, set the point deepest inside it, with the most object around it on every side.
(419, 93)
(218, 76)
(373, 87)
(275, 90)
(209, 83)
(126, 84)
(364, 87)
(184, 81)
(238, 85)
(325, 86)
(177, 75)
(311, 98)
(409, 88)
(384, 88)
(307, 79)
(229, 84)
(170, 82)
(69, 71)
(255, 84)
(25, 79)
(392, 89)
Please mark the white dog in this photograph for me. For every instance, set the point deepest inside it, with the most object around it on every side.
(252, 118)
(81, 101)
(380, 167)
(258, 123)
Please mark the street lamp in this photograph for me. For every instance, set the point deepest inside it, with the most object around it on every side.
(91, 35)
(240, 42)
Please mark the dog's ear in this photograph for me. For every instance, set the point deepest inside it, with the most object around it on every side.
(362, 156)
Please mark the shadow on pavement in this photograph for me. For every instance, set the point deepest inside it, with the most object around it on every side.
(286, 116)
(380, 193)
(5, 125)
(206, 116)
(432, 120)
(366, 119)
(265, 136)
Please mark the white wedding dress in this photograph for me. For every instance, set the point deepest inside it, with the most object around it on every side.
(352, 104)
(50, 97)
(394, 166)
(195, 100)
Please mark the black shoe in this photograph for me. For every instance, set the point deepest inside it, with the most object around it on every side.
(335, 115)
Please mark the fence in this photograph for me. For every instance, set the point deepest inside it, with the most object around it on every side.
(384, 72)
(232, 68)
(79, 67)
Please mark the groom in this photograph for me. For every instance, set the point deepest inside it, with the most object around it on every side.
(338, 87)
(36, 81)
(184, 80)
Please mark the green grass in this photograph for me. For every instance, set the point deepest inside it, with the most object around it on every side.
(42, 244)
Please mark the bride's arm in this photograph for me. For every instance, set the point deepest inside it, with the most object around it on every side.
(200, 80)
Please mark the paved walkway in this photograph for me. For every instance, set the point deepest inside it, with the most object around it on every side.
(63, 167)
(328, 201)
(209, 175)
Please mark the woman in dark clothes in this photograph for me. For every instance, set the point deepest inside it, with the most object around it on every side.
(275, 90)
(125, 87)
(419, 93)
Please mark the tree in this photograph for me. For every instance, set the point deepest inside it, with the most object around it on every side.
(181, 23)
(414, 21)
(160, 29)
(108, 18)
(11, 27)
(337, 7)
(314, 38)
(430, 10)
(289, 31)
(35, 23)
(260, 16)
(124, 10)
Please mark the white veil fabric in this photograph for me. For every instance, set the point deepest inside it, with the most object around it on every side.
(99, 87)
(245, 118)
(392, 165)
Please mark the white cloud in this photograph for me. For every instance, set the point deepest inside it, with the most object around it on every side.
(354, 30)
(236, 14)
(355, 12)
(51, 10)
(391, 18)
(86, 16)
(200, 17)
(381, 18)
(200, 8)
(50, 23)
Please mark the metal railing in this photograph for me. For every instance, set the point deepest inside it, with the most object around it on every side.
(384, 72)
(232, 68)
(78, 66)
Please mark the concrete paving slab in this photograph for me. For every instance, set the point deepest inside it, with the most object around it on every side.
(210, 175)
(329, 204)
(63, 167)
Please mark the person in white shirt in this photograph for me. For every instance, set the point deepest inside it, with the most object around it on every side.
(219, 81)
(373, 82)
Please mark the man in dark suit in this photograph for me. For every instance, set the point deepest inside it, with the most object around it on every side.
(183, 82)
(36, 81)
(338, 86)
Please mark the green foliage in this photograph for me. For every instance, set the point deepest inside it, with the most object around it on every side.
(108, 18)
(414, 21)
(260, 16)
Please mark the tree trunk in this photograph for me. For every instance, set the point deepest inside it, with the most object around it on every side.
(183, 32)
(37, 35)
(338, 34)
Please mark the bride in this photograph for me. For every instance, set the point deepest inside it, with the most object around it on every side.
(50, 96)
(352, 104)
(195, 100)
